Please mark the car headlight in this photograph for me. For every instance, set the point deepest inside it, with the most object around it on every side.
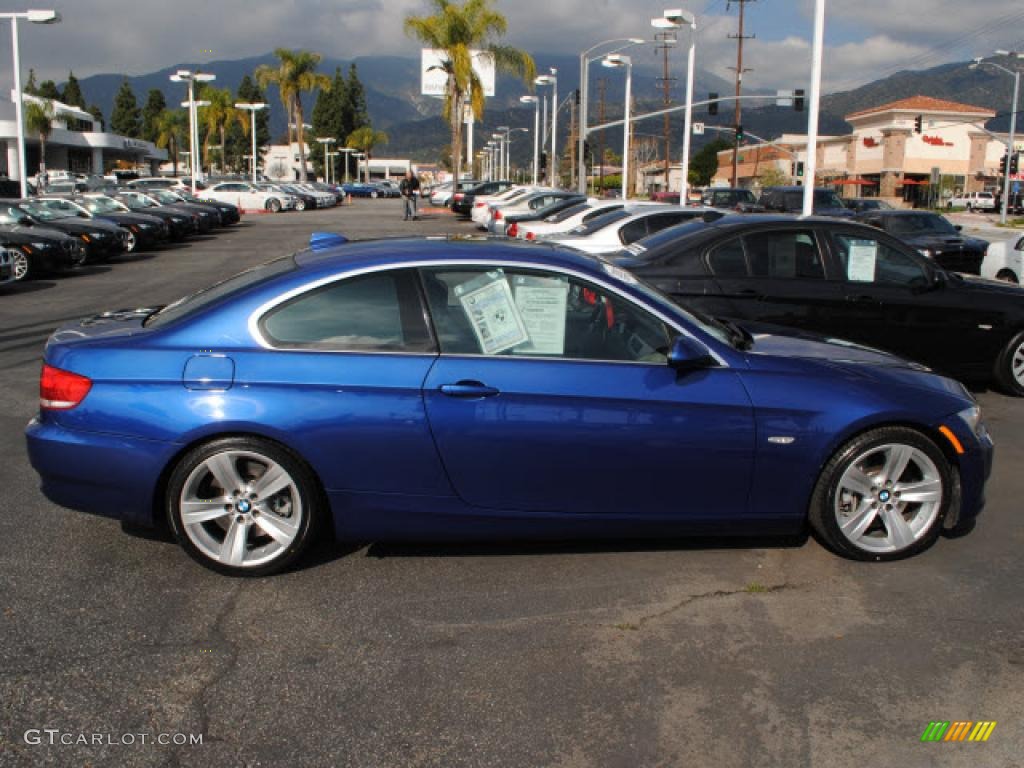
(974, 421)
(926, 252)
(97, 235)
(40, 246)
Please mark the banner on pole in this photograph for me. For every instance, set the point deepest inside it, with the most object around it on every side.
(434, 79)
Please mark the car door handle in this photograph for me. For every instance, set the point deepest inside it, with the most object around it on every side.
(468, 389)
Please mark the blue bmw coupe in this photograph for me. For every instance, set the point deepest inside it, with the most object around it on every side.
(471, 389)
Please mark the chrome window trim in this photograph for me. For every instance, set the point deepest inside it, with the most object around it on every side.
(258, 313)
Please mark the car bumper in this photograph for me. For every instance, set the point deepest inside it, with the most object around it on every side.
(975, 464)
(101, 474)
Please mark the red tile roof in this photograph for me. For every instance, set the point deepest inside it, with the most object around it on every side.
(924, 104)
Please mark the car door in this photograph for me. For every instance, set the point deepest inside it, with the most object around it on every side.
(552, 394)
(892, 301)
(777, 276)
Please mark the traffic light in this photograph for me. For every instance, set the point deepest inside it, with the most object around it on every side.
(1002, 165)
(712, 103)
(799, 169)
(543, 161)
(1015, 162)
(576, 96)
(798, 99)
(739, 133)
(918, 121)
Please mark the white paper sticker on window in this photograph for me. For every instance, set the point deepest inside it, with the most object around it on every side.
(542, 302)
(487, 302)
(861, 259)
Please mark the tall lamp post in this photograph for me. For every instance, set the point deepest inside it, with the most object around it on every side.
(674, 19)
(585, 60)
(536, 132)
(551, 80)
(326, 141)
(190, 77)
(253, 108)
(616, 60)
(347, 151)
(1011, 143)
(36, 17)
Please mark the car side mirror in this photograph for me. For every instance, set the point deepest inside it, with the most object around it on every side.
(687, 354)
(25, 221)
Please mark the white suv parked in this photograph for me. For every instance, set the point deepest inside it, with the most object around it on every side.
(973, 201)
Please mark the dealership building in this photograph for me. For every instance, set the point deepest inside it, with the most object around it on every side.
(904, 151)
(77, 143)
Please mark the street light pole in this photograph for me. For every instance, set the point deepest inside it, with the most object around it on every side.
(553, 161)
(536, 132)
(253, 108)
(673, 19)
(1010, 145)
(811, 163)
(326, 141)
(584, 97)
(187, 76)
(36, 17)
(615, 60)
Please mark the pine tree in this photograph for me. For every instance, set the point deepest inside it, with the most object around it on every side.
(250, 93)
(125, 117)
(72, 93)
(48, 90)
(358, 114)
(155, 104)
(328, 115)
(31, 87)
(97, 113)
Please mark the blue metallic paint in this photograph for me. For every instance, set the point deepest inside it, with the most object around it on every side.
(566, 448)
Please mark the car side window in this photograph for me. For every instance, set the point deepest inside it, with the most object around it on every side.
(727, 259)
(534, 313)
(633, 231)
(787, 255)
(379, 312)
(867, 260)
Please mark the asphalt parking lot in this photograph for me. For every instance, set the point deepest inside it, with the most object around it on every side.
(681, 653)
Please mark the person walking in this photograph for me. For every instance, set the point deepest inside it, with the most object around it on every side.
(409, 188)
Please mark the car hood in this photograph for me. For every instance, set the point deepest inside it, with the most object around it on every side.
(773, 345)
(36, 233)
(945, 242)
(985, 287)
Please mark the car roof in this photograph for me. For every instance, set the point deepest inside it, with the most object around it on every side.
(902, 212)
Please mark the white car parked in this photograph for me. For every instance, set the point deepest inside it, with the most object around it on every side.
(973, 201)
(248, 197)
(570, 218)
(615, 230)
(1004, 261)
(484, 208)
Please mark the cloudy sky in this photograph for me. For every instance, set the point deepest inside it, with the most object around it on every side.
(866, 39)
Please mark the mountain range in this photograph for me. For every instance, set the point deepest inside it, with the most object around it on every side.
(415, 128)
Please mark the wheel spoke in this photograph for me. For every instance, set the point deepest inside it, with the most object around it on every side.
(222, 467)
(860, 520)
(274, 480)
(896, 460)
(280, 529)
(922, 492)
(195, 512)
(856, 481)
(899, 533)
(233, 550)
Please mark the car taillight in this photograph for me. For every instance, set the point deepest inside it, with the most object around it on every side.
(512, 230)
(497, 214)
(530, 236)
(480, 205)
(459, 195)
(61, 390)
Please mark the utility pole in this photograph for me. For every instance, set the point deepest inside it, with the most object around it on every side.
(666, 41)
(572, 141)
(739, 38)
(600, 119)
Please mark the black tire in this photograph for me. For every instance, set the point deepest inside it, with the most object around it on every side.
(822, 514)
(302, 478)
(1008, 276)
(273, 205)
(1005, 366)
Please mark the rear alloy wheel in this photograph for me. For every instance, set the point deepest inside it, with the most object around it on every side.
(1009, 372)
(883, 496)
(374, 194)
(20, 262)
(130, 242)
(242, 506)
(273, 205)
(300, 205)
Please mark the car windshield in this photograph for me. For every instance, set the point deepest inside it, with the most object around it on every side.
(600, 222)
(731, 197)
(103, 205)
(136, 200)
(164, 196)
(207, 296)
(920, 224)
(43, 212)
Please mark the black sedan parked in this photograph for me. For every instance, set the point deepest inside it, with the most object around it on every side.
(211, 213)
(464, 200)
(791, 200)
(141, 231)
(933, 236)
(39, 249)
(181, 224)
(101, 239)
(844, 280)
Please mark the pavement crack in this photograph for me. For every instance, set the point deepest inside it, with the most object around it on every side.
(750, 589)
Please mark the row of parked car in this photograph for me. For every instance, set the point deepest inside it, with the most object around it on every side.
(901, 280)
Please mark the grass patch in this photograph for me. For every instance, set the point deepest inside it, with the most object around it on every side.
(756, 587)
(627, 626)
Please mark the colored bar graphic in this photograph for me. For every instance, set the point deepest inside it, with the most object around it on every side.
(982, 731)
(958, 730)
(935, 731)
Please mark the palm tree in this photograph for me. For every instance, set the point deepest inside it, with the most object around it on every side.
(295, 74)
(171, 130)
(457, 30)
(39, 116)
(365, 139)
(219, 114)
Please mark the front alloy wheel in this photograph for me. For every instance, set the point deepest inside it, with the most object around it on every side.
(242, 506)
(883, 496)
(1009, 372)
(20, 263)
(273, 205)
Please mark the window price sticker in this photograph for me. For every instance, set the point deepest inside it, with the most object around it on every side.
(492, 312)
(542, 302)
(861, 259)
